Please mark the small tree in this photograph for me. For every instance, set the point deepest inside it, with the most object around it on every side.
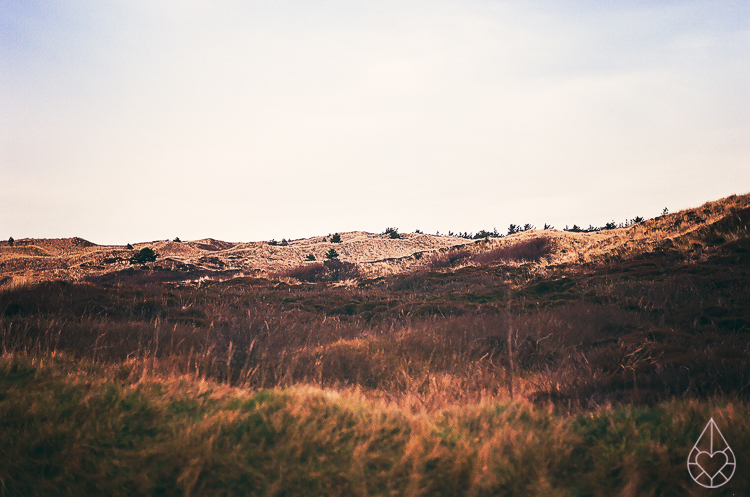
(177, 239)
(336, 238)
(11, 241)
(143, 256)
(332, 254)
(310, 257)
(129, 247)
(665, 212)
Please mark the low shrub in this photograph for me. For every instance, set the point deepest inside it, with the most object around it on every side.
(308, 272)
(330, 270)
(449, 258)
(392, 233)
(526, 251)
(341, 270)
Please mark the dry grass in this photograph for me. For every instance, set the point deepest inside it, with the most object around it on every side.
(137, 382)
(375, 254)
(72, 428)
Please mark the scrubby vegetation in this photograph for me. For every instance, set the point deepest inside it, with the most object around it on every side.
(77, 428)
(320, 381)
(143, 256)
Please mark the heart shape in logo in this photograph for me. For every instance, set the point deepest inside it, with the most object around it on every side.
(711, 464)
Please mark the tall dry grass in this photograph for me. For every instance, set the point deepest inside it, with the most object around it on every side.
(78, 428)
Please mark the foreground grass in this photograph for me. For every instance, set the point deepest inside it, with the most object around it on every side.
(72, 428)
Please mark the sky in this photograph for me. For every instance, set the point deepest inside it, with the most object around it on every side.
(130, 121)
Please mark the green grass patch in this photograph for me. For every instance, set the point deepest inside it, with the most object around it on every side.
(70, 429)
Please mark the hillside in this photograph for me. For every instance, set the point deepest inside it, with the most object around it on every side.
(541, 363)
(375, 254)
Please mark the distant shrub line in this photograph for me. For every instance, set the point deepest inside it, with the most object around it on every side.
(609, 226)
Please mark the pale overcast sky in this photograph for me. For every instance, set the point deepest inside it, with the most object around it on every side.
(126, 121)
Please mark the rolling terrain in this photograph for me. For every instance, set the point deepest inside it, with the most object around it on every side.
(543, 362)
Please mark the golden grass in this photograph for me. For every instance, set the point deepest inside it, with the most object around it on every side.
(79, 428)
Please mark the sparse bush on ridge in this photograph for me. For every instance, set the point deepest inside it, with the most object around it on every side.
(513, 229)
(392, 233)
(11, 241)
(336, 238)
(608, 226)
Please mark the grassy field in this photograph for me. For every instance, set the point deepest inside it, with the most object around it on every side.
(77, 428)
(487, 371)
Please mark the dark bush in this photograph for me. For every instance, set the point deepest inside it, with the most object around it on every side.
(11, 241)
(146, 254)
(177, 239)
(336, 238)
(392, 233)
(332, 254)
(129, 247)
(310, 257)
(518, 228)
(487, 234)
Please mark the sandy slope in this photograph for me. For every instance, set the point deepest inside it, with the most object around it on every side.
(376, 254)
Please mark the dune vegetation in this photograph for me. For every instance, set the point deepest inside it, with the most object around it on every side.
(542, 363)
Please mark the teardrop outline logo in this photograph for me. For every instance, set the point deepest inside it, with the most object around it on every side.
(716, 445)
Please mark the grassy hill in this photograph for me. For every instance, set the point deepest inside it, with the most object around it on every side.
(538, 363)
